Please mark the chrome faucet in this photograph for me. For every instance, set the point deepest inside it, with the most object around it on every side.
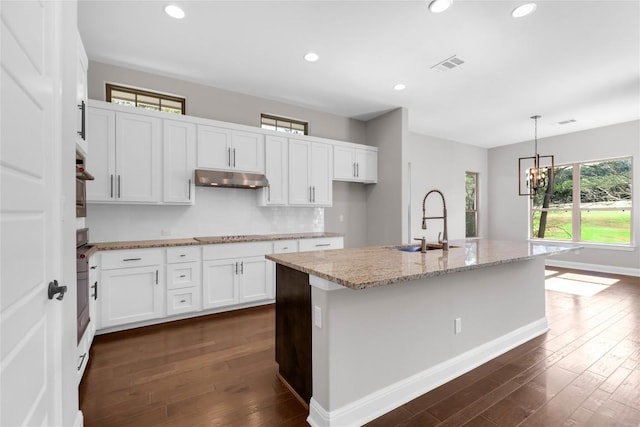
(445, 240)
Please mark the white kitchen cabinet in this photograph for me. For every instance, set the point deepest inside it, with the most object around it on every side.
(132, 284)
(355, 164)
(276, 171)
(310, 173)
(285, 246)
(219, 284)
(82, 65)
(125, 157)
(320, 243)
(183, 280)
(233, 150)
(179, 139)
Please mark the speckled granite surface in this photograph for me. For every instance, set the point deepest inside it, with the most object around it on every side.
(207, 240)
(361, 268)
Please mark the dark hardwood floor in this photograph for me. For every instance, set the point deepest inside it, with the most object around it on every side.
(219, 370)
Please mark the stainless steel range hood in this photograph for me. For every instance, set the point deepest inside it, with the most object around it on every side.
(208, 178)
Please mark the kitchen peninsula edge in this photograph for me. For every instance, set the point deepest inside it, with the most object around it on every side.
(381, 323)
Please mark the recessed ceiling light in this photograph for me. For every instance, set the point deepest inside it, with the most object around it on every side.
(437, 6)
(523, 10)
(311, 57)
(174, 11)
(399, 86)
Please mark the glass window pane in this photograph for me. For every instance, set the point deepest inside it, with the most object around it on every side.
(471, 224)
(605, 226)
(268, 121)
(122, 95)
(562, 196)
(171, 110)
(123, 102)
(150, 100)
(148, 106)
(554, 225)
(606, 184)
(168, 103)
(470, 186)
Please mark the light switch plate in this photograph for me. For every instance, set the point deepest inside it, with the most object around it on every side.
(317, 316)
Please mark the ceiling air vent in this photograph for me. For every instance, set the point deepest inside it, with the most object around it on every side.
(448, 64)
(566, 122)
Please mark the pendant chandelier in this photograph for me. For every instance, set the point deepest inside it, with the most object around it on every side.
(536, 176)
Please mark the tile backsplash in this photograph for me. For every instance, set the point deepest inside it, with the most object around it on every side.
(217, 212)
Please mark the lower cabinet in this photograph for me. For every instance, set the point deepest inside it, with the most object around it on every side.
(234, 281)
(131, 295)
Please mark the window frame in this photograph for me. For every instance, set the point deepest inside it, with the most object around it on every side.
(577, 209)
(476, 176)
(109, 87)
(284, 120)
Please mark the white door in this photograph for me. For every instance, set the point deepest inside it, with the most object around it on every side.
(214, 148)
(322, 174)
(30, 343)
(344, 163)
(219, 283)
(276, 170)
(138, 157)
(247, 152)
(179, 161)
(367, 165)
(299, 174)
(101, 160)
(253, 277)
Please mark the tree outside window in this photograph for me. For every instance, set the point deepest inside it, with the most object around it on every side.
(471, 204)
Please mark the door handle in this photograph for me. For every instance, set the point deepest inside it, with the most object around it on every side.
(354, 169)
(314, 194)
(118, 186)
(229, 156)
(236, 272)
(358, 170)
(156, 277)
(234, 157)
(132, 259)
(82, 132)
(95, 290)
(111, 191)
(242, 267)
(189, 188)
(54, 289)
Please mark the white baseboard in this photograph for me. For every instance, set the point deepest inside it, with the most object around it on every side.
(382, 401)
(79, 421)
(625, 271)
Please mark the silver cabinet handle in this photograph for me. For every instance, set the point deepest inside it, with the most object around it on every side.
(189, 188)
(269, 192)
(111, 191)
(310, 200)
(183, 300)
(132, 259)
(242, 267)
(182, 276)
(354, 169)
(358, 170)
(228, 156)
(236, 272)
(118, 186)
(314, 194)
(95, 290)
(234, 157)
(285, 248)
(156, 277)
(323, 244)
(183, 255)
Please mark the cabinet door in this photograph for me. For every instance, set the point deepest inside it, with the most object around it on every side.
(131, 295)
(299, 174)
(214, 148)
(344, 163)
(219, 283)
(254, 279)
(101, 161)
(322, 174)
(179, 140)
(366, 166)
(247, 151)
(138, 157)
(277, 172)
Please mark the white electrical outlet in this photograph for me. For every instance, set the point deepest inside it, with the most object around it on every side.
(317, 316)
(457, 325)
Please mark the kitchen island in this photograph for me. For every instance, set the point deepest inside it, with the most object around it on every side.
(362, 331)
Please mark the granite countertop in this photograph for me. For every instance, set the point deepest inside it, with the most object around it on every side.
(207, 240)
(361, 268)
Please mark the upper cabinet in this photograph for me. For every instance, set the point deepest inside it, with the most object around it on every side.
(179, 145)
(125, 157)
(232, 150)
(82, 64)
(276, 171)
(310, 173)
(356, 164)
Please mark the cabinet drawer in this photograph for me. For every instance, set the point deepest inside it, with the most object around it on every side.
(183, 275)
(236, 250)
(183, 254)
(132, 258)
(183, 300)
(285, 246)
(321, 243)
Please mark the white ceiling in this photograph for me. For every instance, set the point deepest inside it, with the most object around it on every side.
(569, 60)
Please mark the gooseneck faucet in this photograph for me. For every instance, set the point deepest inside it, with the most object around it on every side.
(445, 239)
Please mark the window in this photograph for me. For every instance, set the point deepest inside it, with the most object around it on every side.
(591, 202)
(144, 99)
(282, 124)
(471, 204)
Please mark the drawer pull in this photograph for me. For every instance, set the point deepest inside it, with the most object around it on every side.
(132, 259)
(182, 255)
(285, 248)
(182, 276)
(93, 267)
(323, 244)
(183, 300)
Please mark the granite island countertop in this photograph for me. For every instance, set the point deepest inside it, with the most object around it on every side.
(366, 267)
(208, 240)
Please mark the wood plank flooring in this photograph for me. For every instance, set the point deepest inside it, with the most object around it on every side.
(219, 370)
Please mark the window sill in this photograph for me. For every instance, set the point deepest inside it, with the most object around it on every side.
(588, 245)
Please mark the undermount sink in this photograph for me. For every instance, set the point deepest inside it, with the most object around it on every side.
(416, 248)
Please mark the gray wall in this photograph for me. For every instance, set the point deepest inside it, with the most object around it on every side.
(441, 164)
(509, 217)
(386, 212)
(348, 214)
(213, 103)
